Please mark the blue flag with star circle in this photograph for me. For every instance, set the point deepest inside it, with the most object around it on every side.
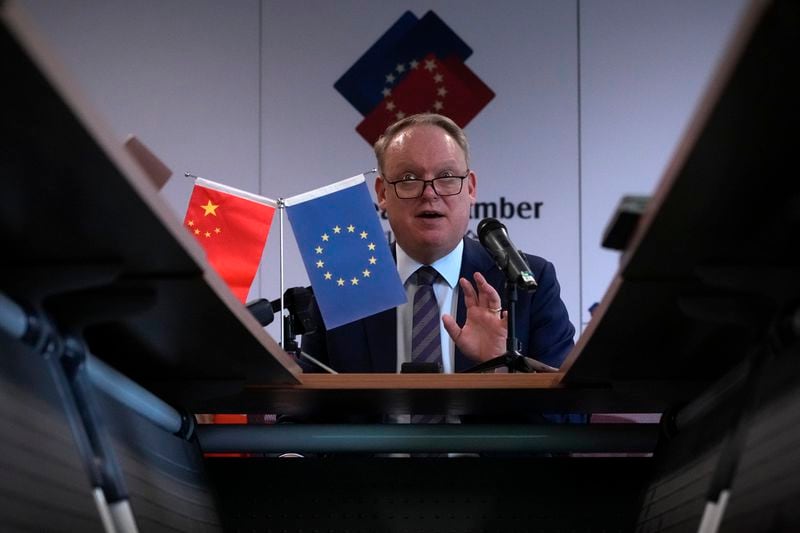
(345, 252)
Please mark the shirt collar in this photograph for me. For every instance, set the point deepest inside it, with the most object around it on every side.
(448, 267)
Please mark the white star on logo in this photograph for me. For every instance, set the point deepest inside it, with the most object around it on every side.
(442, 91)
(386, 92)
(390, 106)
(438, 78)
(430, 64)
(437, 105)
(414, 64)
(390, 78)
(400, 68)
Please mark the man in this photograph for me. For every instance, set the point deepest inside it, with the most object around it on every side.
(426, 188)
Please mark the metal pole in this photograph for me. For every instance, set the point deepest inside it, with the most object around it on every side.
(14, 321)
(133, 396)
(281, 208)
(429, 438)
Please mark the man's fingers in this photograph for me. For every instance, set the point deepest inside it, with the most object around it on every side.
(451, 327)
(470, 297)
(487, 296)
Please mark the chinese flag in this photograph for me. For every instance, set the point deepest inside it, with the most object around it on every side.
(232, 226)
(446, 87)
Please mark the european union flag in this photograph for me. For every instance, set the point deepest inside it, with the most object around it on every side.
(345, 252)
(394, 54)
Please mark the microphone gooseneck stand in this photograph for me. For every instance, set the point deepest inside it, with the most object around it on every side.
(493, 235)
(299, 320)
(512, 358)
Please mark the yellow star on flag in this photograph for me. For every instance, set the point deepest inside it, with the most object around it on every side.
(320, 264)
(354, 281)
(363, 234)
(318, 249)
(325, 237)
(372, 260)
(351, 228)
(337, 229)
(366, 272)
(328, 275)
(340, 282)
(210, 209)
(371, 246)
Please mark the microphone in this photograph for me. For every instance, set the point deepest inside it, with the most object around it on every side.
(494, 237)
(301, 319)
(263, 311)
(297, 301)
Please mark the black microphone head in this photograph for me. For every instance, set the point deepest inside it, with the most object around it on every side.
(262, 311)
(494, 237)
(487, 225)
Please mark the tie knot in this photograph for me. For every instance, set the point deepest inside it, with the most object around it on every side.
(426, 275)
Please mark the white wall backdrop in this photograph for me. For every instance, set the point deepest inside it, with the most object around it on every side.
(591, 98)
(644, 66)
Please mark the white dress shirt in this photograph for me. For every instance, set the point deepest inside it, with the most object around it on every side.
(446, 289)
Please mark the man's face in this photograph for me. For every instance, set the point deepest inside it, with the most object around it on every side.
(428, 227)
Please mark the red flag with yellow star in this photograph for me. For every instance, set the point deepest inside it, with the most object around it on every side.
(232, 227)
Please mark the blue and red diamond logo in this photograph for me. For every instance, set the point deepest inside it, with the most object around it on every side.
(416, 66)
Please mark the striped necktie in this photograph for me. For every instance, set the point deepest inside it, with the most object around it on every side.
(426, 342)
(426, 339)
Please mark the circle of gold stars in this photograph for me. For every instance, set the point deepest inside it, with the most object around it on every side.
(352, 279)
(430, 66)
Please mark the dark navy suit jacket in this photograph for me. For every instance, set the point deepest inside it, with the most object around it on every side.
(370, 344)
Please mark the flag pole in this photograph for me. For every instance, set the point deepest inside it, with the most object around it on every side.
(281, 208)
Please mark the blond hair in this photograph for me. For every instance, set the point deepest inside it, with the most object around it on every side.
(432, 119)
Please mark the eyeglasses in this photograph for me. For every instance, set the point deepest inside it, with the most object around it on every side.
(410, 187)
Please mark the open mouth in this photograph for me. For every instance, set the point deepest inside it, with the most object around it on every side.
(430, 214)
